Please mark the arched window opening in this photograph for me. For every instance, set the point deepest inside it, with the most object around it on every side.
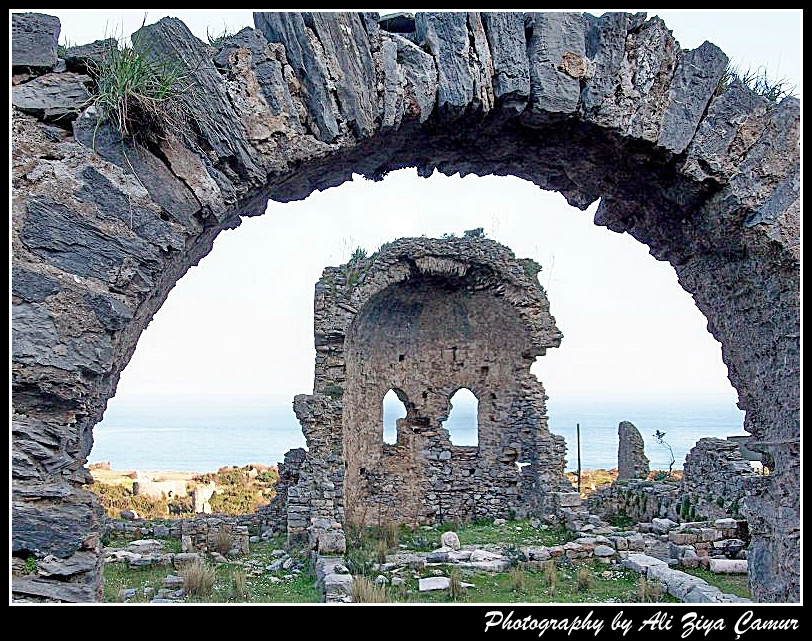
(462, 422)
(393, 409)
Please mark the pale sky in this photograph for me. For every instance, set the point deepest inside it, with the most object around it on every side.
(242, 321)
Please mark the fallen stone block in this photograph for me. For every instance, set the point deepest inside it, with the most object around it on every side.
(728, 566)
(433, 583)
(642, 562)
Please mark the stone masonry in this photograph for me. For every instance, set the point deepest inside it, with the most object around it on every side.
(716, 483)
(706, 175)
(426, 317)
(632, 462)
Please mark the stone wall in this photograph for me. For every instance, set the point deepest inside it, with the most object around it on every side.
(640, 500)
(276, 512)
(612, 108)
(427, 317)
(716, 479)
(715, 484)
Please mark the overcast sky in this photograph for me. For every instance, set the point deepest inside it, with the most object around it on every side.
(241, 322)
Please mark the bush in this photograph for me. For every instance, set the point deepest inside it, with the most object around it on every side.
(649, 591)
(359, 562)
(239, 583)
(366, 591)
(517, 580)
(584, 578)
(222, 541)
(550, 575)
(198, 578)
(455, 586)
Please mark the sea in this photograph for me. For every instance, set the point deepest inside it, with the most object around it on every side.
(204, 434)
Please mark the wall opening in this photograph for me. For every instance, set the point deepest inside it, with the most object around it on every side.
(463, 418)
(393, 410)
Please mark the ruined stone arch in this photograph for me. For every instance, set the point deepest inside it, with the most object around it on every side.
(707, 176)
(427, 317)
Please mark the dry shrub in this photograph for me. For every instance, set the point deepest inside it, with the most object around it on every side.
(584, 578)
(366, 591)
(517, 580)
(455, 589)
(222, 541)
(381, 551)
(390, 534)
(550, 575)
(649, 591)
(198, 578)
(239, 582)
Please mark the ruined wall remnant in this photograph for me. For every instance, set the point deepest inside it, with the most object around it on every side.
(716, 483)
(716, 479)
(427, 317)
(606, 107)
(632, 462)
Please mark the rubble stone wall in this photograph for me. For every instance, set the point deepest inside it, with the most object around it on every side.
(610, 107)
(427, 317)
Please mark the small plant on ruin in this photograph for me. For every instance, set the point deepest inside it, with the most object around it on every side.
(137, 93)
(217, 40)
(30, 565)
(518, 581)
(365, 590)
(222, 542)
(584, 579)
(757, 81)
(660, 436)
(358, 255)
(239, 584)
(455, 589)
(198, 578)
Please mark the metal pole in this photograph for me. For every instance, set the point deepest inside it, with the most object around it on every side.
(578, 432)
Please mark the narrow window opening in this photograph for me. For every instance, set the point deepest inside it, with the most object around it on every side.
(462, 422)
(393, 409)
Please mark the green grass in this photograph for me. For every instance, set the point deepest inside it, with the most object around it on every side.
(510, 534)
(730, 583)
(619, 587)
(137, 93)
(259, 588)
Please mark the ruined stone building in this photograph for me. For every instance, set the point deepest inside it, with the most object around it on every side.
(425, 318)
(704, 172)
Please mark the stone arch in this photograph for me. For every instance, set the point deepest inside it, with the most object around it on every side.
(707, 176)
(461, 393)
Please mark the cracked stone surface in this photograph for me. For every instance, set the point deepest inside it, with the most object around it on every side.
(103, 228)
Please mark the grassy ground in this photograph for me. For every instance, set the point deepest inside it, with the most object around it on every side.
(613, 585)
(259, 588)
(512, 533)
(525, 584)
(730, 583)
